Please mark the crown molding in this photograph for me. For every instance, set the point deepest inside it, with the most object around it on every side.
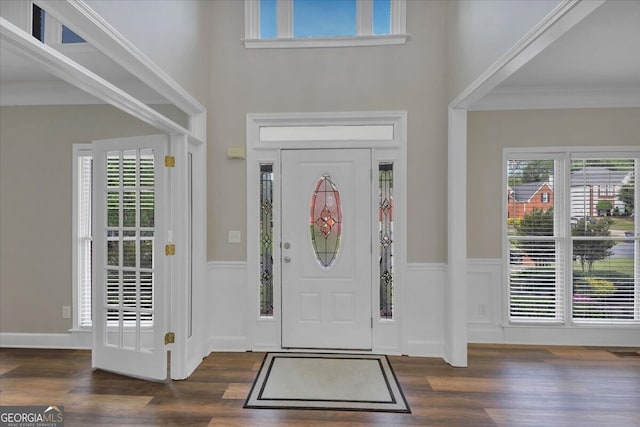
(557, 97)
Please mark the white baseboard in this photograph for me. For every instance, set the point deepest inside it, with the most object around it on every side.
(81, 340)
(425, 348)
(230, 344)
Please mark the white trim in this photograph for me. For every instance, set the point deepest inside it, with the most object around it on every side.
(566, 15)
(521, 98)
(455, 294)
(85, 22)
(560, 20)
(72, 340)
(284, 19)
(422, 315)
(361, 40)
(265, 332)
(57, 92)
(486, 288)
(364, 17)
(79, 76)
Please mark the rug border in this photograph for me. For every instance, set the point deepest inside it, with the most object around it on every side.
(378, 357)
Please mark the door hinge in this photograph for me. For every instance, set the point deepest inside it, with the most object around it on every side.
(170, 249)
(371, 322)
(169, 161)
(169, 338)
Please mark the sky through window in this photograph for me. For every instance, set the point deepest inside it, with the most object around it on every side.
(324, 18)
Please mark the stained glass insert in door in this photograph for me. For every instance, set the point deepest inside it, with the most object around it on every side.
(326, 221)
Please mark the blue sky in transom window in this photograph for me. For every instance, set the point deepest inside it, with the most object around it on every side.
(324, 18)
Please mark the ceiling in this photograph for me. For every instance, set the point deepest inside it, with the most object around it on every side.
(24, 82)
(596, 63)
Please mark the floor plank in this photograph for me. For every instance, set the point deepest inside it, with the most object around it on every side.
(502, 386)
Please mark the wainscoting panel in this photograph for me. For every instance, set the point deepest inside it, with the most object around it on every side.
(420, 320)
(486, 307)
(485, 300)
(227, 305)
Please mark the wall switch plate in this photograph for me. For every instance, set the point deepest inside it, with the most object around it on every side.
(235, 236)
(237, 152)
(66, 312)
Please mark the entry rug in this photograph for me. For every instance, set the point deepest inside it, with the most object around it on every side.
(347, 382)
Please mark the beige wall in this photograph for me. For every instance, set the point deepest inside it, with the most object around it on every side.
(480, 32)
(490, 132)
(35, 207)
(408, 77)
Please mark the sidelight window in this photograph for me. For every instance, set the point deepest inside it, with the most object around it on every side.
(385, 223)
(266, 240)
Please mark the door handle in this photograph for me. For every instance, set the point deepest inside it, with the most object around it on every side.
(287, 259)
(287, 245)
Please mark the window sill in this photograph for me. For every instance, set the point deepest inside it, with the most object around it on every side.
(390, 39)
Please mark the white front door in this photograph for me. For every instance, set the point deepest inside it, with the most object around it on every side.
(326, 249)
(129, 231)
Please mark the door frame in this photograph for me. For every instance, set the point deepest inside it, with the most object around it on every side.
(263, 147)
(350, 170)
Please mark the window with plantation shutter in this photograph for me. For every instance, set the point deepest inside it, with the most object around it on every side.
(572, 237)
(127, 210)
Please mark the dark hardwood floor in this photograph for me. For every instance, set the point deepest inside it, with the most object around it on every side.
(503, 386)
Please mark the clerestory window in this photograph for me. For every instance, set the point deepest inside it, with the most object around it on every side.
(50, 31)
(324, 23)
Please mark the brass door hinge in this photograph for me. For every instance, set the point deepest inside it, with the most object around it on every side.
(169, 161)
(170, 249)
(169, 338)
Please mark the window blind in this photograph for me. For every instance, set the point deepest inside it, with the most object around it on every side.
(604, 240)
(84, 243)
(535, 261)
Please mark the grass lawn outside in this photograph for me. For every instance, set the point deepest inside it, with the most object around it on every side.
(621, 265)
(622, 223)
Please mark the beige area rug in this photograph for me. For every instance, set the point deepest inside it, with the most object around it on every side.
(348, 382)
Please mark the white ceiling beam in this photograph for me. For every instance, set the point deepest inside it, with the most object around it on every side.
(561, 19)
(84, 21)
(59, 65)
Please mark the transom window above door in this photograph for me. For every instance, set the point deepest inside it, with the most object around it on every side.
(324, 23)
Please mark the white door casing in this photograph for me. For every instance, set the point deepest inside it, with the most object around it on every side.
(326, 304)
(384, 133)
(129, 288)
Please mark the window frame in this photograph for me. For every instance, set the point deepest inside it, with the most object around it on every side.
(364, 25)
(562, 226)
(78, 323)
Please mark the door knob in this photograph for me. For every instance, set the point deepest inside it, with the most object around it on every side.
(287, 259)
(287, 245)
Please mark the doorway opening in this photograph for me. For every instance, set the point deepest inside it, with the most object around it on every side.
(316, 216)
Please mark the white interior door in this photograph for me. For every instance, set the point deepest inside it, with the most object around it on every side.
(326, 249)
(129, 229)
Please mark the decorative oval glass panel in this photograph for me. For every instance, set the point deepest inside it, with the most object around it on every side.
(326, 221)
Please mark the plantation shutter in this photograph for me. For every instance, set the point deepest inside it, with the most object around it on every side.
(84, 243)
(536, 280)
(604, 240)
